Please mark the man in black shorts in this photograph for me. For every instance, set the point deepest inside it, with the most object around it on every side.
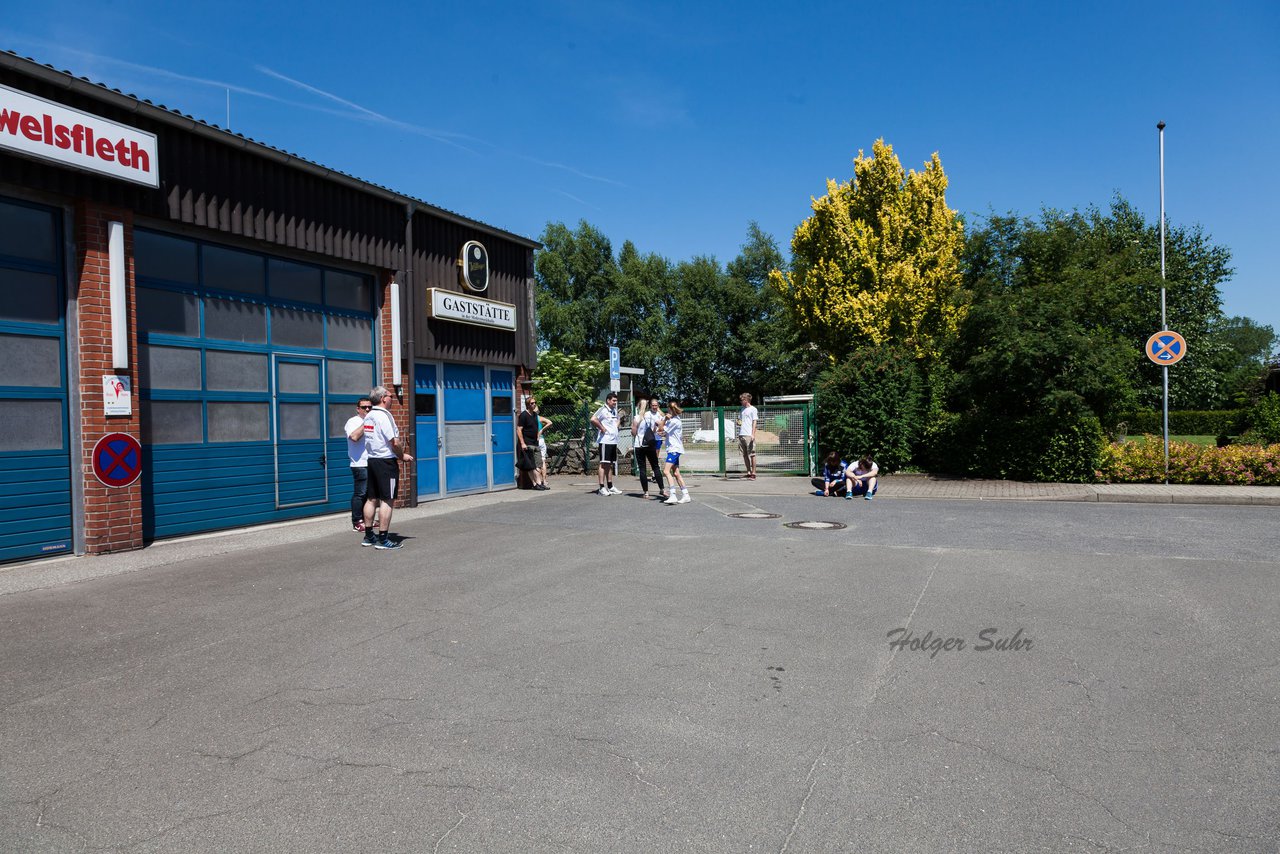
(606, 423)
(382, 441)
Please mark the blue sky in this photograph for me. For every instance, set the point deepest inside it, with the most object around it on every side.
(675, 124)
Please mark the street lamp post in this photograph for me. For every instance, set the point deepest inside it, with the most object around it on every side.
(1163, 321)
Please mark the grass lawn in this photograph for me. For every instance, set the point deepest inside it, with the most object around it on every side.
(1194, 440)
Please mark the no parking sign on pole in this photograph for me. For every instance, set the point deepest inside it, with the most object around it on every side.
(1166, 348)
(117, 459)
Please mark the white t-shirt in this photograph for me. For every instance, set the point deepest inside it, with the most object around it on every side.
(608, 419)
(357, 451)
(379, 430)
(750, 415)
(675, 435)
(648, 421)
(858, 471)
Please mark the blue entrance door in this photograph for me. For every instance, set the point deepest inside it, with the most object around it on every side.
(466, 429)
(427, 438)
(502, 428)
(301, 457)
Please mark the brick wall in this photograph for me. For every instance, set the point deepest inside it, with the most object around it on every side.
(113, 515)
(397, 404)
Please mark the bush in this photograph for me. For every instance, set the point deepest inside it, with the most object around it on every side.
(1264, 420)
(1064, 448)
(872, 404)
(1143, 462)
(1187, 422)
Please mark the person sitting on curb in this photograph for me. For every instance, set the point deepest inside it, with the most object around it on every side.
(862, 479)
(833, 475)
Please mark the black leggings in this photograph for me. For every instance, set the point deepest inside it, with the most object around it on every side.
(649, 454)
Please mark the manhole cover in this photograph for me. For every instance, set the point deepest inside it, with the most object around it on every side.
(756, 515)
(815, 526)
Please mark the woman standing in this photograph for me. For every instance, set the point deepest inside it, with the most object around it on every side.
(646, 429)
(543, 424)
(673, 429)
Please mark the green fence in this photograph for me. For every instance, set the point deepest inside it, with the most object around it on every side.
(784, 441)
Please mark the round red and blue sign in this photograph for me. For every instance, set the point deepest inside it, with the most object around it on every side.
(117, 459)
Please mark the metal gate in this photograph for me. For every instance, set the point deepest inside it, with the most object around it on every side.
(784, 441)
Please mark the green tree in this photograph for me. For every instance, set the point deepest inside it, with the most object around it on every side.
(566, 378)
(878, 261)
(1099, 271)
(575, 276)
(1239, 353)
(775, 358)
(700, 333)
(872, 403)
(639, 313)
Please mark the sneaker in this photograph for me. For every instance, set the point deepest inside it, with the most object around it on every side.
(848, 496)
(388, 543)
(684, 499)
(602, 491)
(671, 499)
(645, 496)
(358, 527)
(613, 490)
(369, 539)
(870, 495)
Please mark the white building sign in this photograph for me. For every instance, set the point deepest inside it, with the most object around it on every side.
(117, 397)
(451, 305)
(49, 131)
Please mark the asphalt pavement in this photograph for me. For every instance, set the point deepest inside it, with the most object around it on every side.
(1012, 668)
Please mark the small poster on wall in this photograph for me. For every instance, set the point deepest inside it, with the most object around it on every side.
(116, 395)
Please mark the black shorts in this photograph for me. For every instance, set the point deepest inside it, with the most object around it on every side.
(384, 472)
(608, 454)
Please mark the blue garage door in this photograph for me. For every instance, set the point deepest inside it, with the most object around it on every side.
(427, 440)
(35, 457)
(248, 368)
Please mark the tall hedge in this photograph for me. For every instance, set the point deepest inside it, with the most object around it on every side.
(1065, 447)
(872, 403)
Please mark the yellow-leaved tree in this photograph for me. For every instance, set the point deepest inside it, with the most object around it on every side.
(878, 261)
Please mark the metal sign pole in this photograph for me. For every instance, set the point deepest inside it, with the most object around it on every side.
(1163, 323)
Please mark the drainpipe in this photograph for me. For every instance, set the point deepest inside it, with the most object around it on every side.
(408, 289)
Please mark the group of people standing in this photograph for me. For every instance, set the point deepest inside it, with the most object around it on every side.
(652, 430)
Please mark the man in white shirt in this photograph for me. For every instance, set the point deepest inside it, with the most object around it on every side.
(606, 423)
(359, 457)
(382, 442)
(747, 434)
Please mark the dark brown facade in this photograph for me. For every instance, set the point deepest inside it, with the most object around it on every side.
(226, 199)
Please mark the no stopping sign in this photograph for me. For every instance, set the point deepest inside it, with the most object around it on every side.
(117, 459)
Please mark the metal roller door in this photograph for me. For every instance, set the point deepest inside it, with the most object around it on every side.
(249, 366)
(35, 455)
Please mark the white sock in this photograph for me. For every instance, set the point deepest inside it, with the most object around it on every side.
(684, 490)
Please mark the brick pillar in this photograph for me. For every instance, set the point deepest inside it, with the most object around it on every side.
(397, 404)
(113, 515)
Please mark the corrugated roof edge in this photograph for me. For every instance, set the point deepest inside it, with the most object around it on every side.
(116, 98)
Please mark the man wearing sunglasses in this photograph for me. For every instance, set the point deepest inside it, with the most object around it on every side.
(359, 455)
